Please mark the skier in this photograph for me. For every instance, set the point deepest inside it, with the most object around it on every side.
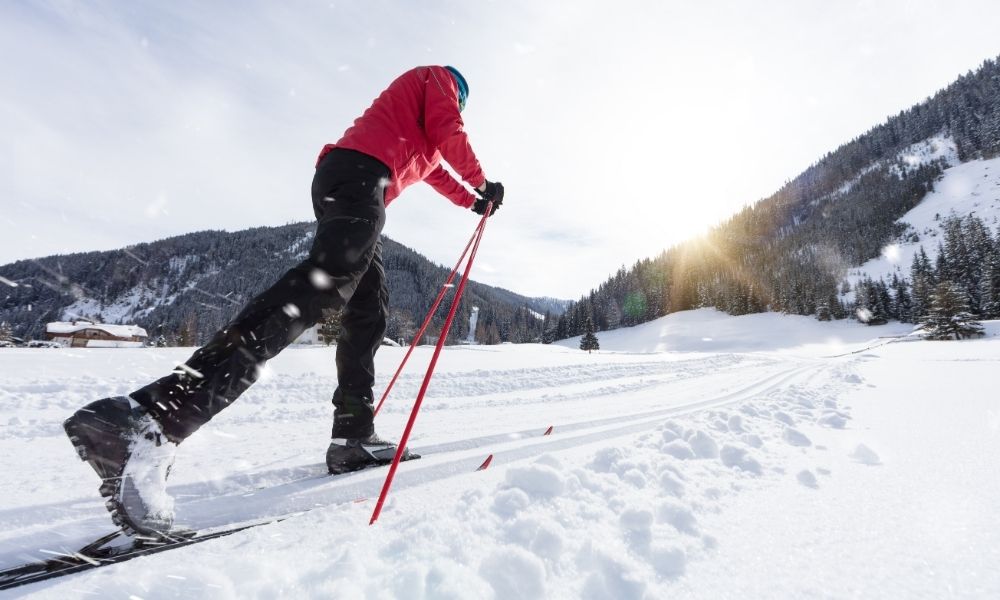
(401, 139)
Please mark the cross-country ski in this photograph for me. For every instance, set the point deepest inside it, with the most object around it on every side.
(120, 546)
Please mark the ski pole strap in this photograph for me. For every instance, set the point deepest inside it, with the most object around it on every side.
(430, 370)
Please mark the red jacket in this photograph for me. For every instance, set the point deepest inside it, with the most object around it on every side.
(410, 127)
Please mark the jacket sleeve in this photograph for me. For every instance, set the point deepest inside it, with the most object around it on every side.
(446, 185)
(443, 126)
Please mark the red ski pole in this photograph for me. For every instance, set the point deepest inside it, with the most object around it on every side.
(430, 370)
(430, 313)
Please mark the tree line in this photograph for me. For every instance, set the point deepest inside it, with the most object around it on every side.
(967, 260)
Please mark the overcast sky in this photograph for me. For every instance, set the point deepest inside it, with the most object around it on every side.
(618, 128)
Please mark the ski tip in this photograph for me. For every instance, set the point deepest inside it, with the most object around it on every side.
(548, 431)
(486, 463)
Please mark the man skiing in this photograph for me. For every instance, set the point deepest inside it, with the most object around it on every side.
(400, 139)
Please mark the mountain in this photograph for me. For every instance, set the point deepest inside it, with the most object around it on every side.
(187, 287)
(791, 252)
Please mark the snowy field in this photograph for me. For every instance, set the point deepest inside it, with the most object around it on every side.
(697, 456)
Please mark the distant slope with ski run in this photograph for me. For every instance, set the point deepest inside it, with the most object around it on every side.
(969, 188)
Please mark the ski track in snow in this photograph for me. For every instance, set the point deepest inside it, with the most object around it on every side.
(730, 437)
(531, 385)
(44, 398)
(648, 453)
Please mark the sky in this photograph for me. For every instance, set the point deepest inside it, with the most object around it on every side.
(618, 129)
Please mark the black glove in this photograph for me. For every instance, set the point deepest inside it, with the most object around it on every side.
(493, 191)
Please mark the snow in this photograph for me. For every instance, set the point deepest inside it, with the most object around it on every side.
(124, 308)
(939, 147)
(115, 330)
(708, 330)
(969, 188)
(152, 295)
(702, 456)
(936, 148)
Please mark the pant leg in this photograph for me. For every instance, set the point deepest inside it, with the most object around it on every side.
(363, 322)
(348, 200)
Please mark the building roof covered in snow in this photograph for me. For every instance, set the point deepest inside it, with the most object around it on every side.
(121, 331)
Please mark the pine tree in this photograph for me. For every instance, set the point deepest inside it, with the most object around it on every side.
(400, 326)
(883, 303)
(823, 312)
(490, 334)
(942, 268)
(562, 329)
(991, 286)
(980, 248)
(6, 333)
(589, 341)
(902, 302)
(958, 268)
(188, 335)
(922, 276)
(872, 302)
(949, 316)
(330, 329)
(612, 315)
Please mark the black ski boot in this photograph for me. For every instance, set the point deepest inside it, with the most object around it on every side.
(130, 453)
(354, 444)
(353, 454)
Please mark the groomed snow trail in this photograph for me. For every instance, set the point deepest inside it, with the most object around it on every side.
(212, 497)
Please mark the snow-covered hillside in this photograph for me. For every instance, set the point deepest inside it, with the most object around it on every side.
(708, 330)
(702, 456)
(933, 149)
(970, 188)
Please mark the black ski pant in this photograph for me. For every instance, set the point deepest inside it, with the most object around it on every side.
(343, 271)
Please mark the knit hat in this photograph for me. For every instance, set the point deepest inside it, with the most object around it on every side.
(463, 87)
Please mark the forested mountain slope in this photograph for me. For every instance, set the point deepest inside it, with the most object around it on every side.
(790, 252)
(188, 286)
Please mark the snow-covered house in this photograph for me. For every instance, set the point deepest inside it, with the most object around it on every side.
(84, 334)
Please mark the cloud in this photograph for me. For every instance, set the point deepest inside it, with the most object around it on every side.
(617, 129)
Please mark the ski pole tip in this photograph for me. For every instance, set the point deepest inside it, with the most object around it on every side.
(486, 463)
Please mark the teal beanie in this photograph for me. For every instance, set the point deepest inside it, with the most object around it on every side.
(463, 86)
